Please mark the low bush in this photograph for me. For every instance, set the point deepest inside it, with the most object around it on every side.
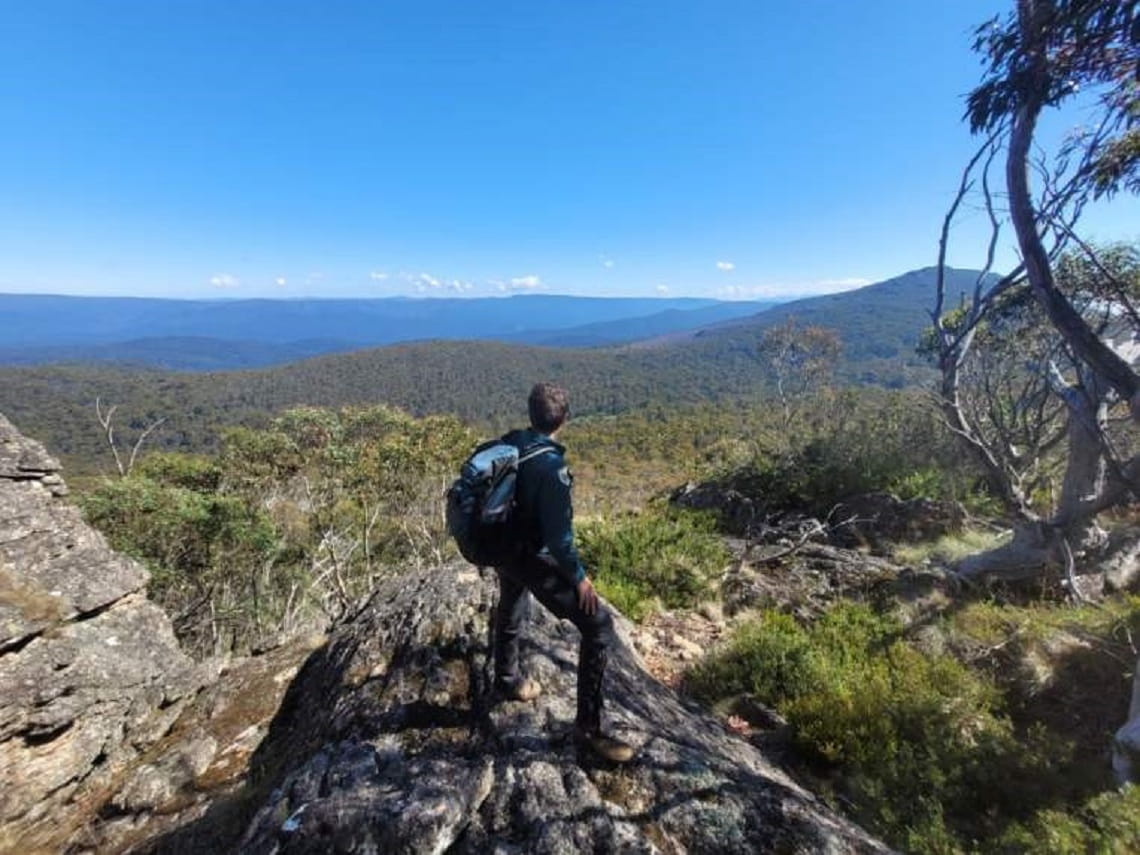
(641, 561)
(289, 525)
(1108, 823)
(207, 552)
(916, 745)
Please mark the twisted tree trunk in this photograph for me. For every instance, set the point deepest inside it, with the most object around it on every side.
(1037, 545)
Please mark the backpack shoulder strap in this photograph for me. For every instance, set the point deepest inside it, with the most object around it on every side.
(530, 455)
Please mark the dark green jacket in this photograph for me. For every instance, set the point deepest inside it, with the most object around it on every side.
(544, 512)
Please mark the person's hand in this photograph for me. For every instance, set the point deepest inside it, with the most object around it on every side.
(587, 597)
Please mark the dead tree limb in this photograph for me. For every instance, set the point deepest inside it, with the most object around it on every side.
(106, 421)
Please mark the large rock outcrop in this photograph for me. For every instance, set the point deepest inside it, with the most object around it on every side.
(388, 741)
(90, 672)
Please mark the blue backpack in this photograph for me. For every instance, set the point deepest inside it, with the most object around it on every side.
(480, 502)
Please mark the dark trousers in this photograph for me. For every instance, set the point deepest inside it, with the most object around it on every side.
(541, 577)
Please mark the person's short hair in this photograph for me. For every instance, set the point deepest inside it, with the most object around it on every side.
(549, 407)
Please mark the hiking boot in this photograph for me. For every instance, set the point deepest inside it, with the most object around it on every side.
(519, 689)
(607, 748)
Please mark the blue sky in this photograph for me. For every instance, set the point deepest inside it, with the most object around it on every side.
(280, 148)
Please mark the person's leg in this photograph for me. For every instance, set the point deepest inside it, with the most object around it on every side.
(560, 596)
(509, 616)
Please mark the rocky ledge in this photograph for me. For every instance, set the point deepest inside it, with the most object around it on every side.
(90, 671)
(389, 740)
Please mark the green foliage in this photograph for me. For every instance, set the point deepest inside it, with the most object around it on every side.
(289, 524)
(358, 487)
(919, 483)
(989, 622)
(204, 550)
(655, 558)
(801, 361)
(855, 443)
(924, 752)
(1108, 823)
(191, 471)
(1058, 50)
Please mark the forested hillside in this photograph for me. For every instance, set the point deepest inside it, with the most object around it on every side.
(879, 324)
(482, 382)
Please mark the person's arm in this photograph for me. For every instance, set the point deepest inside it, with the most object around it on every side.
(556, 522)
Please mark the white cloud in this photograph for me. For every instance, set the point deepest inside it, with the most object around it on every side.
(280, 280)
(662, 289)
(725, 265)
(420, 281)
(606, 261)
(425, 283)
(224, 280)
(530, 282)
(377, 276)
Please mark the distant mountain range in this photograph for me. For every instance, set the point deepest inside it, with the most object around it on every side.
(878, 324)
(212, 335)
(483, 381)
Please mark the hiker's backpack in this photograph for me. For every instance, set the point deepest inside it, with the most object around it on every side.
(481, 500)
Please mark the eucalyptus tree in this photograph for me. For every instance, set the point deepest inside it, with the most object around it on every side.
(801, 360)
(1048, 54)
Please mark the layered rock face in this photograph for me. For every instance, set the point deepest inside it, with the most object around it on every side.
(389, 741)
(90, 671)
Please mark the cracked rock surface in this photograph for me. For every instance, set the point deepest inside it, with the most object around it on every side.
(388, 741)
(90, 671)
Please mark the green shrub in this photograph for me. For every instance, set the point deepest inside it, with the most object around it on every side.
(772, 658)
(192, 471)
(849, 443)
(1108, 823)
(916, 744)
(200, 547)
(919, 483)
(669, 557)
(289, 525)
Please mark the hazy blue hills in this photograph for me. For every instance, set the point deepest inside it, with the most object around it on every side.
(224, 334)
(879, 325)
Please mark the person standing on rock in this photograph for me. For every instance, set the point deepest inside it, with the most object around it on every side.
(546, 564)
